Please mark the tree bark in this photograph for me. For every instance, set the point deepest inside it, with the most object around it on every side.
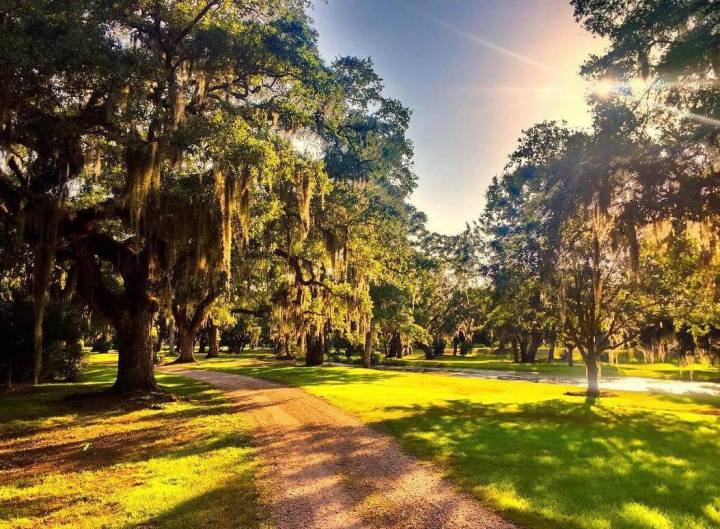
(213, 345)
(202, 345)
(551, 351)
(367, 350)
(569, 354)
(171, 335)
(135, 352)
(186, 344)
(395, 346)
(188, 325)
(531, 348)
(38, 341)
(315, 349)
(516, 355)
(592, 373)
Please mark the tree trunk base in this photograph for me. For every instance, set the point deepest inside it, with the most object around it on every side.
(113, 398)
(181, 360)
(150, 391)
(590, 394)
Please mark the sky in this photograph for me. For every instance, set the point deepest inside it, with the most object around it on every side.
(475, 74)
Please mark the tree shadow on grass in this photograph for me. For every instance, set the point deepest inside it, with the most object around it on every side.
(570, 464)
(24, 411)
(232, 504)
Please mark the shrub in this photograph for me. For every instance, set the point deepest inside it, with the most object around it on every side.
(65, 361)
(102, 346)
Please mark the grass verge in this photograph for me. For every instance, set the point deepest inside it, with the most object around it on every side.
(543, 459)
(479, 360)
(92, 463)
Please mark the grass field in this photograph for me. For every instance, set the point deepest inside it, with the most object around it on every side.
(95, 463)
(483, 360)
(542, 458)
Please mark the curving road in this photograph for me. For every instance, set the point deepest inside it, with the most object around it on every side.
(325, 469)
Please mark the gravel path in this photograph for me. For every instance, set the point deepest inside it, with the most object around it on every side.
(327, 470)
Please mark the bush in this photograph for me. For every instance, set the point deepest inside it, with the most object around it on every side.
(63, 326)
(65, 361)
(102, 346)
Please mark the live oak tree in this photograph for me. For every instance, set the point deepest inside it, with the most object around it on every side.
(110, 111)
(345, 219)
(563, 254)
(666, 57)
(521, 227)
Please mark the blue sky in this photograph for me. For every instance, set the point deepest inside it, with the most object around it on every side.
(474, 72)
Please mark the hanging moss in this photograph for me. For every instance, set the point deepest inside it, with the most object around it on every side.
(303, 193)
(143, 175)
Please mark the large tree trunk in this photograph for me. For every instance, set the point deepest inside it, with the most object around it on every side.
(213, 344)
(516, 354)
(189, 325)
(42, 274)
(202, 341)
(551, 351)
(367, 350)
(171, 335)
(186, 343)
(529, 352)
(395, 346)
(315, 349)
(281, 349)
(522, 342)
(38, 341)
(569, 354)
(135, 353)
(592, 373)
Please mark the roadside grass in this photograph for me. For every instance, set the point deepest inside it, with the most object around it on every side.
(543, 459)
(103, 463)
(483, 360)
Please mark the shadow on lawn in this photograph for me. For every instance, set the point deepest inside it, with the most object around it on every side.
(571, 464)
(20, 409)
(227, 505)
(45, 434)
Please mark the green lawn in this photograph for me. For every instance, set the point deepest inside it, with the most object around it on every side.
(483, 360)
(99, 463)
(542, 458)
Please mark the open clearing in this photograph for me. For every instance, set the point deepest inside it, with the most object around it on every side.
(537, 456)
(327, 470)
(524, 450)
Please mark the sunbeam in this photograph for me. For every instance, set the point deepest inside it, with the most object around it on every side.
(482, 42)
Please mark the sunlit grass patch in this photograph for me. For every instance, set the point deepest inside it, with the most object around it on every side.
(66, 464)
(540, 457)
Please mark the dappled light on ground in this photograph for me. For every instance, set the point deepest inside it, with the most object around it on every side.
(635, 460)
(328, 470)
(75, 464)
